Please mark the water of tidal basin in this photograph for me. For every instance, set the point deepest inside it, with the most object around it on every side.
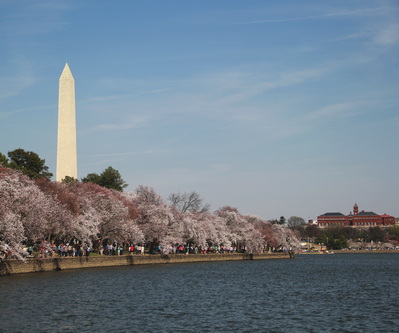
(311, 293)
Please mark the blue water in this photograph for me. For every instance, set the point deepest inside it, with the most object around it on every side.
(311, 293)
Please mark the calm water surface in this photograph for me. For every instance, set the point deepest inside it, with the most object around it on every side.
(311, 293)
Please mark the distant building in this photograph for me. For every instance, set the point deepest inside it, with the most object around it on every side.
(358, 219)
(312, 222)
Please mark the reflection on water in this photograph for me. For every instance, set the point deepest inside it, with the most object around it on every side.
(311, 293)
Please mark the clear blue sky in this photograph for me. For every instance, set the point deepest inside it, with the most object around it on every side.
(274, 107)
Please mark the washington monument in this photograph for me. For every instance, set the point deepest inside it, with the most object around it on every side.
(66, 146)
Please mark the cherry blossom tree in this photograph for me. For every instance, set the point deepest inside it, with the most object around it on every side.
(155, 216)
(25, 207)
(65, 208)
(175, 230)
(266, 231)
(12, 234)
(104, 214)
(284, 238)
(21, 197)
(195, 229)
(242, 233)
(211, 230)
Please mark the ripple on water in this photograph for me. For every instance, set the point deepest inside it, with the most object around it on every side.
(340, 293)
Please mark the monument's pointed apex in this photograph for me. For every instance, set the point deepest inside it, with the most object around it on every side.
(66, 73)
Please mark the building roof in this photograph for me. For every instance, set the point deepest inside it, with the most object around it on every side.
(333, 214)
(363, 213)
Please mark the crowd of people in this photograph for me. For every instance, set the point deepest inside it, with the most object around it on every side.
(63, 250)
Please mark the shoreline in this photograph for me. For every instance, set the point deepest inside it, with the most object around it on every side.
(353, 252)
(366, 251)
(34, 265)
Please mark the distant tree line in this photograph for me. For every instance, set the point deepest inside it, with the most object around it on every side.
(338, 238)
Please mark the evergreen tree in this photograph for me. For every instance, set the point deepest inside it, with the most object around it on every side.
(109, 178)
(28, 162)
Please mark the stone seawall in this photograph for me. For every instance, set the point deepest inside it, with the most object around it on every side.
(56, 264)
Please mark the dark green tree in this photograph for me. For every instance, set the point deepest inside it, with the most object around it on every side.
(350, 233)
(336, 241)
(321, 239)
(375, 234)
(312, 231)
(342, 242)
(109, 178)
(280, 221)
(92, 178)
(394, 231)
(29, 163)
(3, 160)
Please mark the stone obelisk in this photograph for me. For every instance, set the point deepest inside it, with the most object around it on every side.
(66, 146)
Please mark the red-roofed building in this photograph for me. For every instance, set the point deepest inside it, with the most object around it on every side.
(357, 219)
